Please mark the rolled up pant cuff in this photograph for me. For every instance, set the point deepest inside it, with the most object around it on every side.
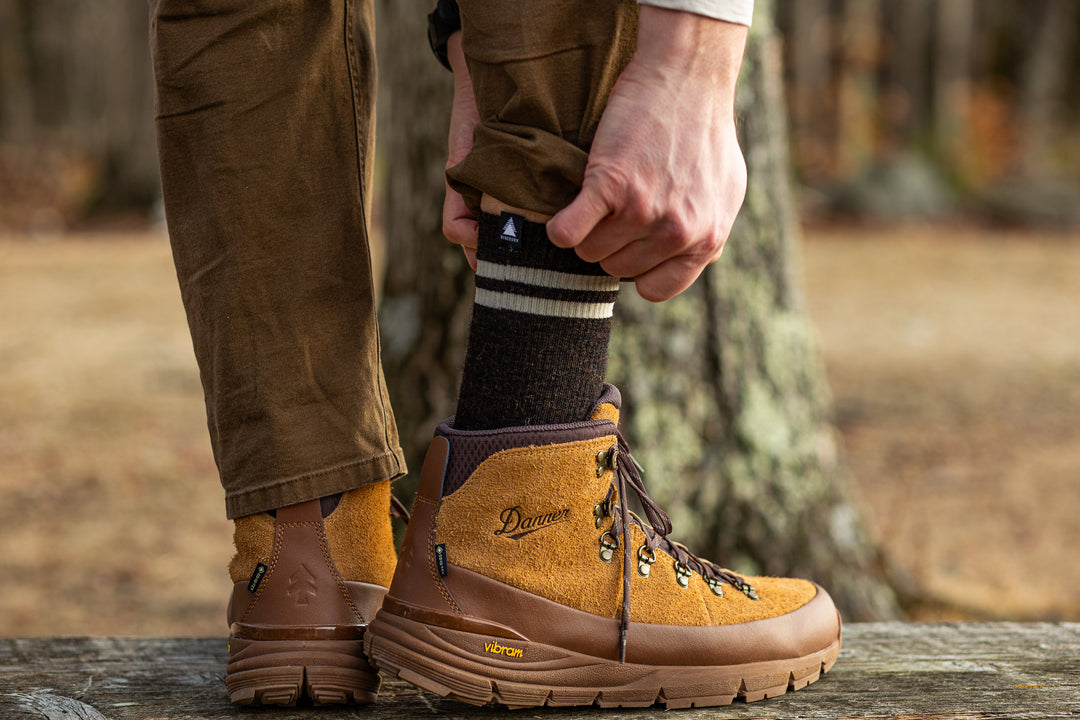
(327, 481)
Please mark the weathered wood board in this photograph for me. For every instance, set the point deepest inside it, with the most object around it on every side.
(886, 670)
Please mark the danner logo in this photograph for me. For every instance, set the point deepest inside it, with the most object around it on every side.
(496, 649)
(517, 525)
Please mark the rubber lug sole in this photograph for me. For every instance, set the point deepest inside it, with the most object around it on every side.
(475, 669)
(284, 672)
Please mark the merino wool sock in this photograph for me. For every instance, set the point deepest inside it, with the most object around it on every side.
(541, 322)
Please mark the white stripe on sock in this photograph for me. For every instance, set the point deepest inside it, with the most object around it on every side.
(546, 278)
(543, 306)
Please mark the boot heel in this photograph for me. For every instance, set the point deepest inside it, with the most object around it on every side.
(280, 672)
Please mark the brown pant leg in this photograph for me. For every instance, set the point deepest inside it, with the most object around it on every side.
(542, 72)
(264, 119)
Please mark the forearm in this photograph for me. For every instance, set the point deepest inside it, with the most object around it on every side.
(694, 48)
(733, 11)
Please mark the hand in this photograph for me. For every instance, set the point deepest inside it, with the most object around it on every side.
(665, 177)
(458, 224)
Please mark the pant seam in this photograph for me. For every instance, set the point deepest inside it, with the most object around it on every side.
(361, 163)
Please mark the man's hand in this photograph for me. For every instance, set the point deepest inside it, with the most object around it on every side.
(458, 224)
(665, 177)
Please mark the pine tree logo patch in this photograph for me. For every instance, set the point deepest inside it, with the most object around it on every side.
(302, 587)
(510, 235)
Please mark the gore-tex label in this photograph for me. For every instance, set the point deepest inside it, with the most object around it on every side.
(440, 559)
(256, 578)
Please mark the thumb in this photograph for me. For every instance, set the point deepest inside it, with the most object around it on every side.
(573, 223)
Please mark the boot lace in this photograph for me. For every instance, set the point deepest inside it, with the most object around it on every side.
(628, 476)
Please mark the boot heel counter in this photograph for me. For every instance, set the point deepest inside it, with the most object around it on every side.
(417, 580)
(301, 585)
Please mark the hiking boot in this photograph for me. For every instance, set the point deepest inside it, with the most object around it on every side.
(524, 580)
(305, 589)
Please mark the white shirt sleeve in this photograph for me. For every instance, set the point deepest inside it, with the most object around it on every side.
(735, 11)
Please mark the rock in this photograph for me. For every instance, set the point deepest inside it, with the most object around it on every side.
(907, 187)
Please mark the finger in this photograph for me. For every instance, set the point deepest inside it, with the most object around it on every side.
(637, 257)
(667, 279)
(574, 222)
(470, 257)
(463, 232)
(458, 224)
(609, 237)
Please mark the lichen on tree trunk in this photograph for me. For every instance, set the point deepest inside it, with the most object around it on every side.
(727, 405)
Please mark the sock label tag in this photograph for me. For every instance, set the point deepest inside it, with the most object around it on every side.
(511, 234)
(256, 578)
(440, 559)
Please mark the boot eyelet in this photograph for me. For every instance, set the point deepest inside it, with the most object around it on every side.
(608, 545)
(716, 586)
(606, 459)
(750, 592)
(644, 562)
(600, 511)
(682, 574)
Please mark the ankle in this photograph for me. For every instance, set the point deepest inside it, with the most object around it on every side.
(357, 531)
(360, 537)
(538, 339)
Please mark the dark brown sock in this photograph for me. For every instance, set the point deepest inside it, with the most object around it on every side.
(540, 327)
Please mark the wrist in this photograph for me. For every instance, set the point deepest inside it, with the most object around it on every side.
(455, 55)
(443, 21)
(691, 46)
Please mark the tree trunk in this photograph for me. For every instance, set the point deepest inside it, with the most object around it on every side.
(16, 93)
(1044, 80)
(84, 83)
(727, 403)
(811, 98)
(952, 77)
(908, 59)
(427, 296)
(857, 86)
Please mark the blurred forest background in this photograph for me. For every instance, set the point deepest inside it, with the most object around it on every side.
(935, 147)
(920, 108)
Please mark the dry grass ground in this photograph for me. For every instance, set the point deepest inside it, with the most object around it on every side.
(954, 358)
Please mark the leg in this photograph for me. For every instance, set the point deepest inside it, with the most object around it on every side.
(542, 319)
(264, 124)
(525, 579)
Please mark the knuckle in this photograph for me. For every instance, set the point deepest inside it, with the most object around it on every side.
(713, 245)
(677, 232)
(637, 206)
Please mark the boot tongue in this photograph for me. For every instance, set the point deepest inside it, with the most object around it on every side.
(607, 407)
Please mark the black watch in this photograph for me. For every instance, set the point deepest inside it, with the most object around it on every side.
(443, 22)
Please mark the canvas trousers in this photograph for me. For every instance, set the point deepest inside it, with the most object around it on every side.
(265, 124)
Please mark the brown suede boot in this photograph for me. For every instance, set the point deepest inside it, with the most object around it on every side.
(305, 589)
(524, 580)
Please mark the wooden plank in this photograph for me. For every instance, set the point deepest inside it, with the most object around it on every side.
(886, 670)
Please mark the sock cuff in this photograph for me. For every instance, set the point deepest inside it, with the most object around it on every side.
(510, 239)
(519, 270)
